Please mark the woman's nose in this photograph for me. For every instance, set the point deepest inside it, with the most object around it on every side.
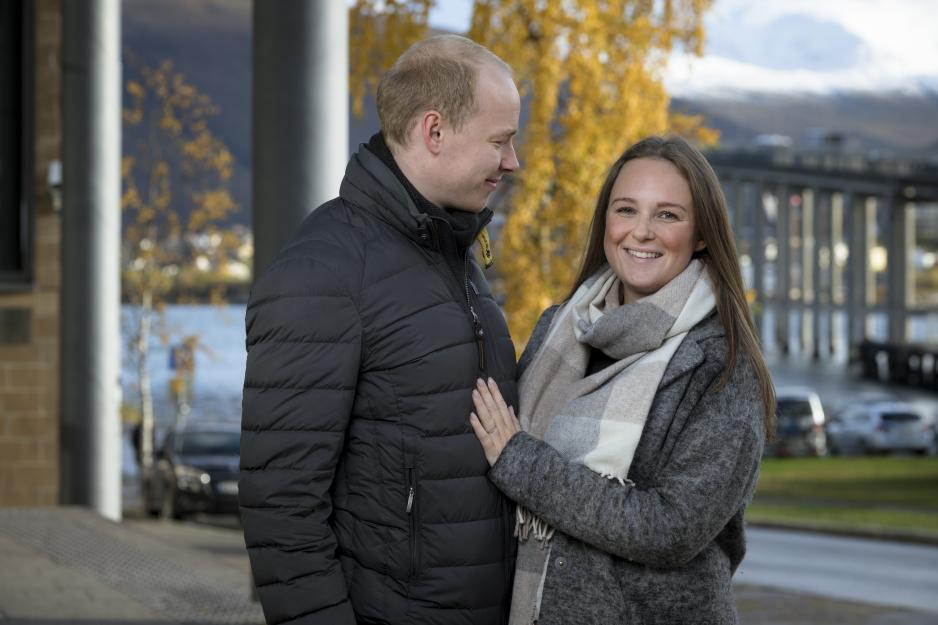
(643, 229)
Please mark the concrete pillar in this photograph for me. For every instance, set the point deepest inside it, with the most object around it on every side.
(871, 210)
(783, 267)
(739, 214)
(857, 267)
(90, 334)
(824, 226)
(836, 271)
(814, 270)
(901, 230)
(808, 275)
(757, 252)
(300, 115)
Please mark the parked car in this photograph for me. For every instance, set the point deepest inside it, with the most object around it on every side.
(881, 427)
(800, 424)
(196, 470)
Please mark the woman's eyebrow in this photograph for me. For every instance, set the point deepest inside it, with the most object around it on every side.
(665, 204)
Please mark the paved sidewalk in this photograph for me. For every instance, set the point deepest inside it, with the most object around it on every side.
(67, 566)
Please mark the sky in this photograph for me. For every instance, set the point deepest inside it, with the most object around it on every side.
(811, 46)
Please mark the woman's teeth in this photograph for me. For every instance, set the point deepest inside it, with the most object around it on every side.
(638, 254)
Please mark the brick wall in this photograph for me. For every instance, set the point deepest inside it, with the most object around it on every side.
(29, 386)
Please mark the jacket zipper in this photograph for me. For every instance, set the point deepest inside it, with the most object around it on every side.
(412, 519)
(477, 328)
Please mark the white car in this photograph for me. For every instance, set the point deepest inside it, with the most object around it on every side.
(880, 427)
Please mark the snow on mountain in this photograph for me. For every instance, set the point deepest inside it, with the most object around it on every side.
(809, 47)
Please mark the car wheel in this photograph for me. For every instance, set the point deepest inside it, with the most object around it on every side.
(170, 508)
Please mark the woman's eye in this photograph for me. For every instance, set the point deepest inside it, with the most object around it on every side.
(667, 215)
(625, 210)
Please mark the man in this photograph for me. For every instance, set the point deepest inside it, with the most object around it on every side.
(363, 491)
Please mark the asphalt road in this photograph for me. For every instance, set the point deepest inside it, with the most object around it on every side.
(861, 570)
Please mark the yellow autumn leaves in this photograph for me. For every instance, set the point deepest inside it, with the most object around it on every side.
(171, 158)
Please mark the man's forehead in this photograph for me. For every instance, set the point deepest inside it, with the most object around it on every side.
(495, 77)
(497, 90)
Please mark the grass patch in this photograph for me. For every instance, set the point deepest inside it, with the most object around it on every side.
(891, 493)
(846, 518)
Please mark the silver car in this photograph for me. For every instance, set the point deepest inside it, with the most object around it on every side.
(880, 427)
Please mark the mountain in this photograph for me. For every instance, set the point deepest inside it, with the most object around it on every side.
(790, 42)
(890, 123)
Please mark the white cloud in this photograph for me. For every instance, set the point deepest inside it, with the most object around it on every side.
(721, 76)
(898, 48)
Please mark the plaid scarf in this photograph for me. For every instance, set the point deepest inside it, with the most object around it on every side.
(597, 420)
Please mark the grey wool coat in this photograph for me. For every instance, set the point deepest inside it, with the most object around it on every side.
(661, 551)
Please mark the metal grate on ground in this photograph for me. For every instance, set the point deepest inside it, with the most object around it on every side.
(135, 565)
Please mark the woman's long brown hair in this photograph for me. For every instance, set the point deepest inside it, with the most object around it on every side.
(713, 227)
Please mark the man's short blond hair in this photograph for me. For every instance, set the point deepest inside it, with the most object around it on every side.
(438, 73)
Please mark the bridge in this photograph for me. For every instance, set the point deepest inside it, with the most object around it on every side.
(827, 239)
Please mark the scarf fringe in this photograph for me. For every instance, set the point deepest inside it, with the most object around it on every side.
(528, 525)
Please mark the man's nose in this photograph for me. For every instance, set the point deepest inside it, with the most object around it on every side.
(510, 159)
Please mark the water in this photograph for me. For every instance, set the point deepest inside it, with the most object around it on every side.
(219, 360)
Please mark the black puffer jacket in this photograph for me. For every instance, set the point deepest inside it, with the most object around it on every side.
(362, 485)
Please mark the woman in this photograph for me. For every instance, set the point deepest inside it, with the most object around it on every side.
(645, 404)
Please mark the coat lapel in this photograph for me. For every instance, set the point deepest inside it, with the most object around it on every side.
(689, 355)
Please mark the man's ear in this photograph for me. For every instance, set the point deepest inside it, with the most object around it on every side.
(431, 131)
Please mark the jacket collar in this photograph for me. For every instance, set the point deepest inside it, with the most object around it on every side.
(373, 187)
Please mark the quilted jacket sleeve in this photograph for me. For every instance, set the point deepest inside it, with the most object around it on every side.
(710, 474)
(304, 342)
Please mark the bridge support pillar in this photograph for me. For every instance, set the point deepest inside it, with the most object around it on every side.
(901, 242)
(782, 268)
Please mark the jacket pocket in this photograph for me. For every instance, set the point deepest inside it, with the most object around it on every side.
(413, 520)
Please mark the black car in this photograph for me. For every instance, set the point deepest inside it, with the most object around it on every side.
(196, 470)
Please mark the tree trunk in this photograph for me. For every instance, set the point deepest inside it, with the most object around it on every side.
(143, 377)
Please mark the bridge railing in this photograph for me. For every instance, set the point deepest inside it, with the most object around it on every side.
(910, 365)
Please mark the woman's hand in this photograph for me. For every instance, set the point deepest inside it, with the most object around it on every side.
(493, 421)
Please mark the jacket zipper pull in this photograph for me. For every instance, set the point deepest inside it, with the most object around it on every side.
(480, 337)
(410, 499)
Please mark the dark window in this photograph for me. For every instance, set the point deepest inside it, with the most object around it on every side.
(15, 143)
(211, 443)
(794, 407)
(900, 417)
